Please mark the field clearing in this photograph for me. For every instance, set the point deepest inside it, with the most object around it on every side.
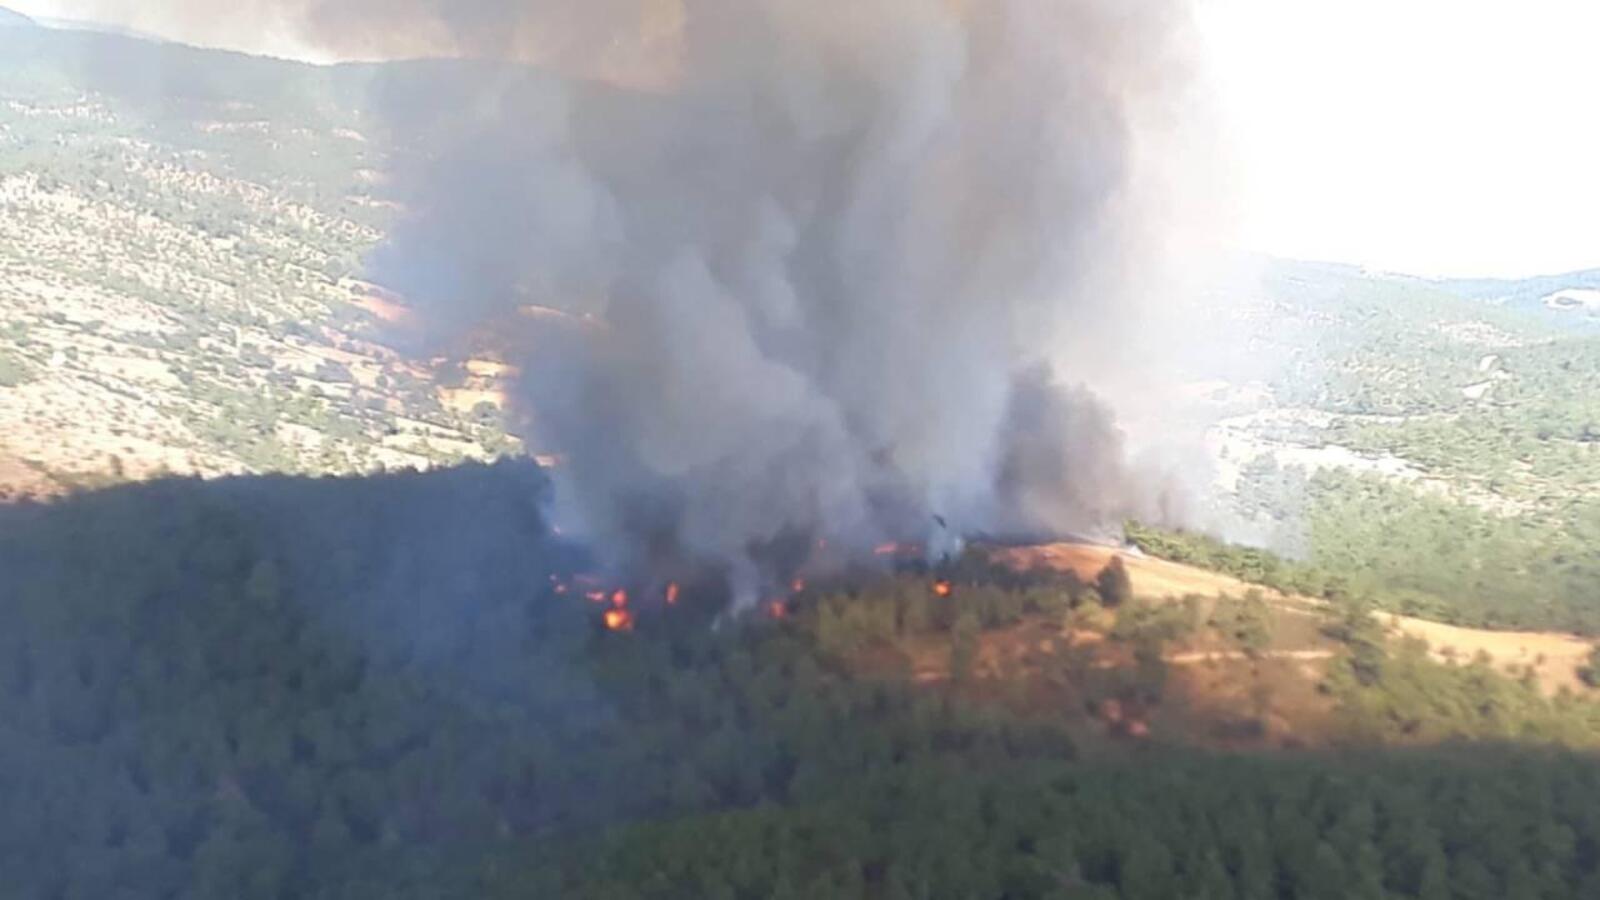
(1152, 578)
(1553, 657)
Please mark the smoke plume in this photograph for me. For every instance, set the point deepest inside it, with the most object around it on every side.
(847, 267)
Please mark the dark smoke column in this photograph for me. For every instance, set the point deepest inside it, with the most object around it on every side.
(846, 258)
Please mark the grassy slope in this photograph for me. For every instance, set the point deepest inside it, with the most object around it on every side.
(1555, 657)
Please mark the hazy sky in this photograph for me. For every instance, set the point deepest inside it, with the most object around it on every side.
(1428, 136)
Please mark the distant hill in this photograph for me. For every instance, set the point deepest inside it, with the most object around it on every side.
(98, 28)
(1537, 286)
(1541, 292)
(13, 19)
(1521, 293)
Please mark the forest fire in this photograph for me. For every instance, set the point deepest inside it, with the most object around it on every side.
(897, 550)
(618, 617)
(630, 607)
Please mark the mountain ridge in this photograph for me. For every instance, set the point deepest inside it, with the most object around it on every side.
(13, 19)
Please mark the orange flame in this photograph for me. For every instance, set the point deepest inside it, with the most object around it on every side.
(619, 598)
(619, 619)
(672, 594)
(943, 588)
(896, 549)
(778, 609)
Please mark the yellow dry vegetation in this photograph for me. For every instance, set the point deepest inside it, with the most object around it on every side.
(1553, 657)
(1152, 577)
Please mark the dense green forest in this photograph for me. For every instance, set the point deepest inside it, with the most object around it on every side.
(286, 687)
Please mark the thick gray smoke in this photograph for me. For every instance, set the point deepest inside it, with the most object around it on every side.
(849, 263)
(842, 266)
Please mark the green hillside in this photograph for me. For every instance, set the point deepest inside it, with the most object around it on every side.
(1438, 450)
(292, 687)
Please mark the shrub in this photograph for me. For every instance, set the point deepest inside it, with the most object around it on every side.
(14, 370)
(1114, 584)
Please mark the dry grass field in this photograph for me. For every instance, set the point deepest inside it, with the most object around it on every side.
(1553, 657)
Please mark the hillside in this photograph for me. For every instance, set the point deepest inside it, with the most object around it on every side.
(1555, 659)
(174, 273)
(1431, 445)
(311, 687)
(1532, 292)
